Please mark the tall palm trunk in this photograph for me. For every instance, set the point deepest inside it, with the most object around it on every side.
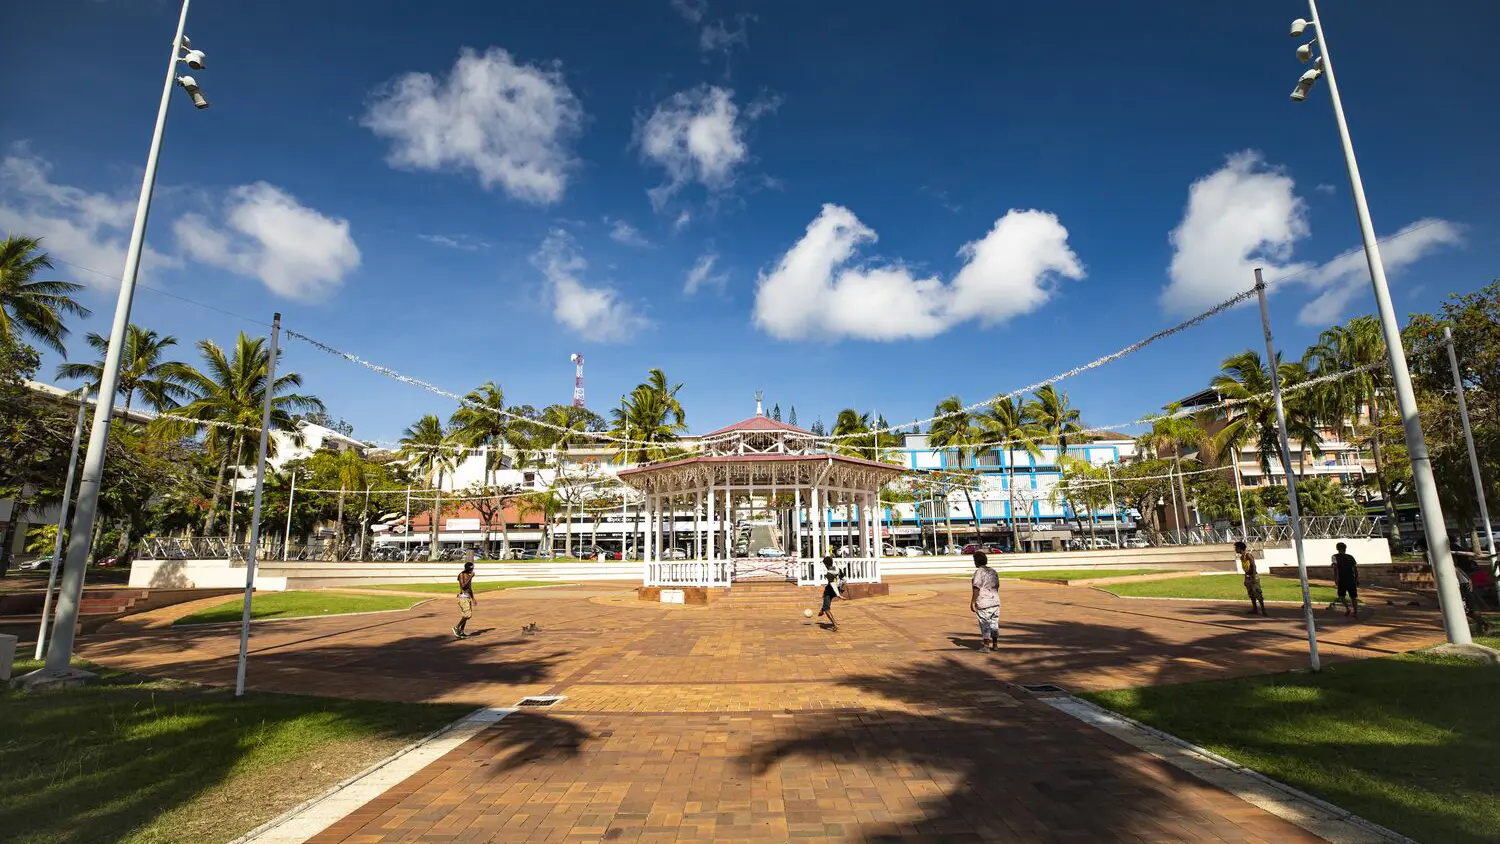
(338, 527)
(213, 506)
(1181, 489)
(1385, 493)
(436, 513)
(504, 527)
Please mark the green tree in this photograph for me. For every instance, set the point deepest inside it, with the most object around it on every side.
(481, 423)
(161, 384)
(30, 308)
(791, 417)
(1007, 426)
(955, 430)
(1244, 379)
(1055, 418)
(650, 417)
(230, 390)
(776, 411)
(1174, 435)
(426, 447)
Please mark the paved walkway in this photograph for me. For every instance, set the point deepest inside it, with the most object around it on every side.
(716, 724)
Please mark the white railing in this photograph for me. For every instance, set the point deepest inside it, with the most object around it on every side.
(688, 573)
(856, 570)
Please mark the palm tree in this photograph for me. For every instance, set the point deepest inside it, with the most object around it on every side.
(1050, 412)
(955, 429)
(1174, 434)
(231, 390)
(1243, 378)
(424, 445)
(480, 422)
(31, 308)
(648, 417)
(656, 380)
(1007, 425)
(1343, 348)
(854, 428)
(161, 384)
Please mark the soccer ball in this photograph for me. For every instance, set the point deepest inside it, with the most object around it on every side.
(807, 613)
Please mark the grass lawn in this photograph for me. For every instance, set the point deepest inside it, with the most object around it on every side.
(1229, 587)
(135, 760)
(1408, 742)
(452, 588)
(297, 605)
(1072, 574)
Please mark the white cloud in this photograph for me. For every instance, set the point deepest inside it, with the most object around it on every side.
(1246, 215)
(77, 226)
(461, 242)
(682, 221)
(696, 136)
(1341, 280)
(623, 232)
(702, 274)
(692, 11)
(295, 251)
(508, 124)
(716, 37)
(596, 313)
(813, 292)
(1239, 217)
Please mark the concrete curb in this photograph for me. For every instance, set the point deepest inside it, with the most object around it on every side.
(312, 816)
(1317, 816)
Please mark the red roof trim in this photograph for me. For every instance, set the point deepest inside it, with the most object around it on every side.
(760, 423)
(762, 458)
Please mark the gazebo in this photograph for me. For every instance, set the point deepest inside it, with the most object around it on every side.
(762, 497)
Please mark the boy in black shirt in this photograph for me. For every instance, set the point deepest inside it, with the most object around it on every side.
(1346, 578)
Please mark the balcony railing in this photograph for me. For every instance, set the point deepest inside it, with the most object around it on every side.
(1313, 527)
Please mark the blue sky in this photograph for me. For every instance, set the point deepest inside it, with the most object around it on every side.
(886, 203)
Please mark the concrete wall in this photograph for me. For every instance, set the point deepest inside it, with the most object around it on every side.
(198, 574)
(1369, 552)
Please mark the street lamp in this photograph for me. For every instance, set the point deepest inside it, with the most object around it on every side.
(57, 669)
(1434, 526)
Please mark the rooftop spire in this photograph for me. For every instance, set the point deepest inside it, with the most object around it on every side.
(760, 409)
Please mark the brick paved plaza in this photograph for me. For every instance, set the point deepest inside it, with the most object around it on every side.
(755, 724)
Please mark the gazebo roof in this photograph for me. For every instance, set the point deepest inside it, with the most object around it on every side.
(719, 459)
(757, 424)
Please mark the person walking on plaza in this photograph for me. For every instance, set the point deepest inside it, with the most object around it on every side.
(1252, 579)
(984, 601)
(465, 600)
(1346, 578)
(830, 591)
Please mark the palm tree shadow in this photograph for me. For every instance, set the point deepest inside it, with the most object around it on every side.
(1018, 768)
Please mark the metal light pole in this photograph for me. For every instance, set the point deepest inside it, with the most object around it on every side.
(1114, 503)
(1295, 513)
(60, 654)
(286, 543)
(1463, 413)
(62, 528)
(260, 483)
(1434, 526)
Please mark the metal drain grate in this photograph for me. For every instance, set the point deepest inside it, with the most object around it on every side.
(1041, 687)
(540, 700)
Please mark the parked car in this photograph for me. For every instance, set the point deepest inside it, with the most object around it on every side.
(914, 551)
(1135, 542)
(770, 552)
(39, 564)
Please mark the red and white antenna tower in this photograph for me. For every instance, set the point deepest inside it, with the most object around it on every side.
(577, 380)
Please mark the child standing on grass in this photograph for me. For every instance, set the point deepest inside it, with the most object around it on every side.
(465, 600)
(1252, 579)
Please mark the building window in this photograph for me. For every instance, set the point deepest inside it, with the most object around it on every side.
(528, 478)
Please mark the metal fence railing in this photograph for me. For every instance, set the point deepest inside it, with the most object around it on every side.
(1313, 527)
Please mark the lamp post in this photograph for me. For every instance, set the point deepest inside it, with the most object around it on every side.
(1463, 413)
(62, 526)
(60, 654)
(1435, 528)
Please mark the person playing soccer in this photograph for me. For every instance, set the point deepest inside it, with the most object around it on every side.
(984, 601)
(1346, 578)
(465, 600)
(1252, 579)
(830, 591)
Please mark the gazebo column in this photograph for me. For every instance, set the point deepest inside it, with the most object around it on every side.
(797, 523)
(859, 523)
(813, 520)
(878, 515)
(697, 525)
(709, 551)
